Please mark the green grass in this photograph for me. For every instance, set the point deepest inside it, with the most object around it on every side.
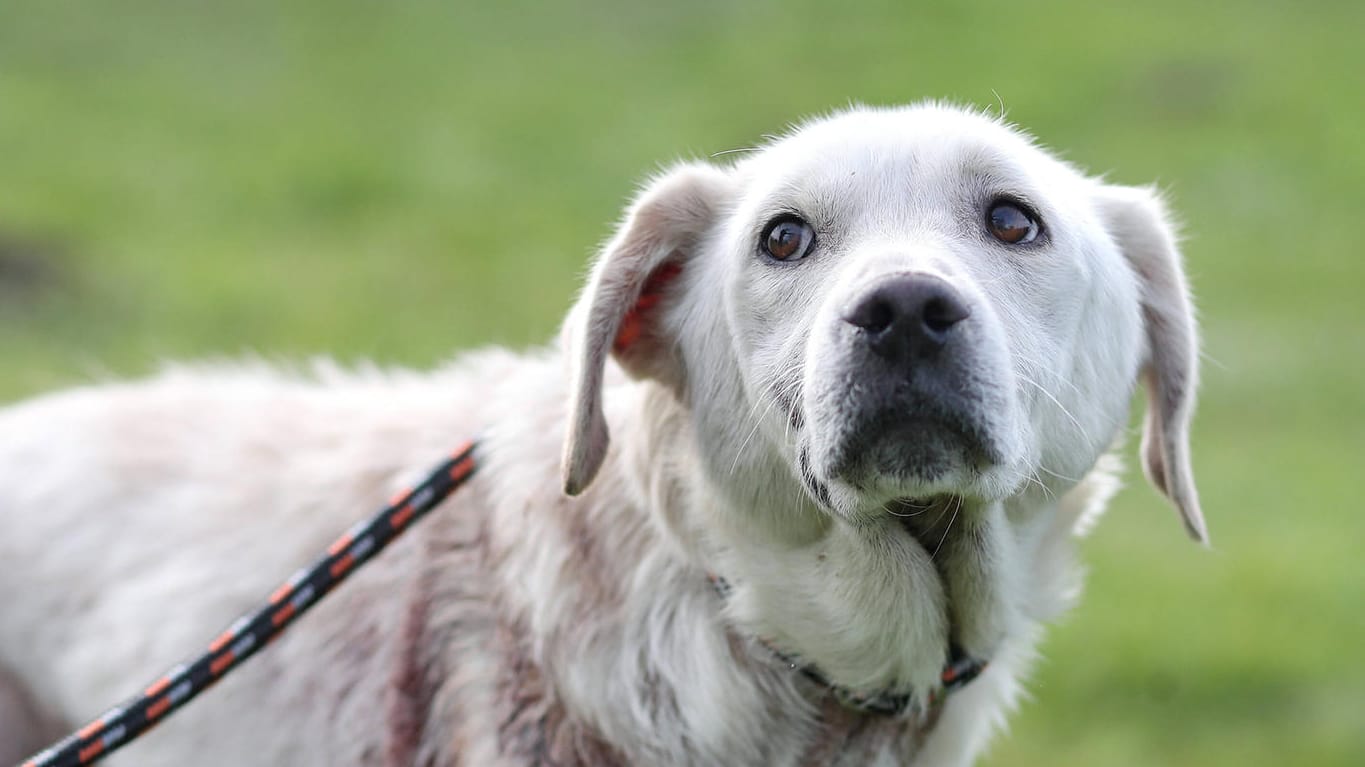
(401, 181)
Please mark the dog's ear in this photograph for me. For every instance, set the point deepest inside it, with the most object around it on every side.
(1137, 220)
(619, 311)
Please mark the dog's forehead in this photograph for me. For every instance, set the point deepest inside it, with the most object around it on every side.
(872, 148)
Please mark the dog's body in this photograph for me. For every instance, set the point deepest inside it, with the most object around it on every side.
(876, 490)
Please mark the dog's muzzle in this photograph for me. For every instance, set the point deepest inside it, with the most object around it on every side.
(915, 412)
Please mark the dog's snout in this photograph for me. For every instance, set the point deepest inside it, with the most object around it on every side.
(908, 314)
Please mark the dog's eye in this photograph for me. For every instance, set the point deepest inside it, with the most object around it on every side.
(787, 239)
(1011, 224)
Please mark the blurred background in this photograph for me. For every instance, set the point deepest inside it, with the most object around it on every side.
(400, 181)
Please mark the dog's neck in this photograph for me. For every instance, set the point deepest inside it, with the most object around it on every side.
(833, 595)
(797, 579)
(613, 634)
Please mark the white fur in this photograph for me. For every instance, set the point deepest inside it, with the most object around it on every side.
(518, 624)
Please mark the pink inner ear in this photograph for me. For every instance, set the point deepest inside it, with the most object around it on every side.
(633, 324)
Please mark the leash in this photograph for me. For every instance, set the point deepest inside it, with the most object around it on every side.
(120, 725)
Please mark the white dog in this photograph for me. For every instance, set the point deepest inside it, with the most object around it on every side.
(860, 386)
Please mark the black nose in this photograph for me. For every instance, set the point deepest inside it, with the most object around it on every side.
(907, 315)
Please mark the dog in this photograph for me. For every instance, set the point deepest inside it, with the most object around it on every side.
(824, 422)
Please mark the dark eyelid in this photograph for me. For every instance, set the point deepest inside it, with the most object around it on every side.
(776, 215)
(1019, 201)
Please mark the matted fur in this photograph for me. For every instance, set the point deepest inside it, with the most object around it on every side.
(521, 625)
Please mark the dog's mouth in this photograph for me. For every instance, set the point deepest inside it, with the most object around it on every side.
(853, 493)
(926, 469)
(916, 456)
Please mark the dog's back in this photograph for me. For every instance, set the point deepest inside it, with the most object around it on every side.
(139, 519)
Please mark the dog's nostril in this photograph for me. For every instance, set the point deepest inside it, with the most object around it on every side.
(874, 316)
(943, 312)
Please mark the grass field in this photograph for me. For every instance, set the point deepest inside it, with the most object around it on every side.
(398, 181)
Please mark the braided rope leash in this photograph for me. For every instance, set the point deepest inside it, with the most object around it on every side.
(120, 725)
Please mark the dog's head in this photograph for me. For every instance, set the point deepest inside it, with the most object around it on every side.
(895, 305)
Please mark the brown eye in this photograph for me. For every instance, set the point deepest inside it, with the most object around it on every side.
(788, 239)
(1011, 224)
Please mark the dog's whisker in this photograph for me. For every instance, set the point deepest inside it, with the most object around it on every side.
(906, 515)
(758, 422)
(1000, 103)
(1050, 472)
(1047, 371)
(1032, 477)
(790, 399)
(956, 508)
(766, 404)
(1047, 491)
(1080, 430)
(736, 150)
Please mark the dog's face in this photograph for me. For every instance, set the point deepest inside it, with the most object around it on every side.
(927, 305)
(892, 306)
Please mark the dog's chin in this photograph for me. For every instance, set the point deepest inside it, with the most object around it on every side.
(859, 479)
(874, 496)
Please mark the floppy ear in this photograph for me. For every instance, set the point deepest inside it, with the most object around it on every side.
(1139, 223)
(619, 311)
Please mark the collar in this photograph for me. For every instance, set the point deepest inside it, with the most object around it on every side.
(960, 670)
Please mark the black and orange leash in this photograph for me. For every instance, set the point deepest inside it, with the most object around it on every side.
(120, 725)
